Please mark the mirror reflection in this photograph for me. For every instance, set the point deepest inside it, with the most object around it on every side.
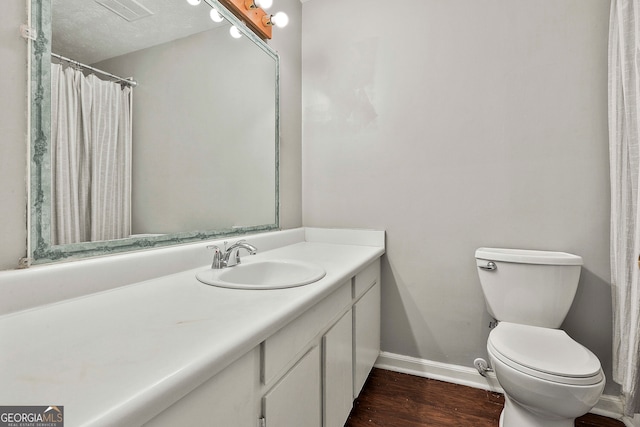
(161, 124)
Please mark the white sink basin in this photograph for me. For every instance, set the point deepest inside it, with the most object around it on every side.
(275, 274)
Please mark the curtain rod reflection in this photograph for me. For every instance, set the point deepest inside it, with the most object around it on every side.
(128, 81)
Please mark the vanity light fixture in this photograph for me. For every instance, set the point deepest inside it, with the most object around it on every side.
(252, 13)
(255, 4)
(280, 20)
(235, 32)
(215, 15)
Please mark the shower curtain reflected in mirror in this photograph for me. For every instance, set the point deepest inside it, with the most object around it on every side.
(90, 157)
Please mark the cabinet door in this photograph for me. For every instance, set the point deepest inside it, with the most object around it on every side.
(295, 400)
(366, 315)
(337, 347)
(228, 399)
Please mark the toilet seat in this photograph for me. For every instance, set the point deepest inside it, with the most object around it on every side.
(548, 354)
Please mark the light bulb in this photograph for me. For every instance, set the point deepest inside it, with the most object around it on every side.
(215, 15)
(193, 2)
(265, 4)
(235, 32)
(280, 19)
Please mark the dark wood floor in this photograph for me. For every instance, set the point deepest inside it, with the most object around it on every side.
(391, 399)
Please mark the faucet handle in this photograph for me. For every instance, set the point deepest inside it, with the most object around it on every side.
(217, 257)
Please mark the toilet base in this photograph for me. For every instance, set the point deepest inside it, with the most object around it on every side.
(516, 415)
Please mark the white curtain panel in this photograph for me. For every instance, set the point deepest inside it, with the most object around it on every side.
(624, 133)
(110, 161)
(91, 158)
(70, 159)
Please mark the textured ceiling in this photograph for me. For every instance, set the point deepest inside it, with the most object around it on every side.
(88, 32)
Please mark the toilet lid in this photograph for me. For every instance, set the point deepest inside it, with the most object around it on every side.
(545, 351)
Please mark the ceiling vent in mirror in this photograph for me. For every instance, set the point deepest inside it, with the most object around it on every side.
(130, 10)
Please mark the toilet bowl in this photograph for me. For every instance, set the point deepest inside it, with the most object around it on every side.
(548, 378)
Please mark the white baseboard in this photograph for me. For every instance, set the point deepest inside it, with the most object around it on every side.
(455, 374)
(631, 422)
(608, 406)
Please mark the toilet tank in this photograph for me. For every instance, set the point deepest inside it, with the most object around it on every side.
(528, 287)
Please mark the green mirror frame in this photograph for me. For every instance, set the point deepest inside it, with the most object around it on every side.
(40, 248)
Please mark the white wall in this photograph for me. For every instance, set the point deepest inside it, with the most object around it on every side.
(13, 134)
(13, 126)
(459, 124)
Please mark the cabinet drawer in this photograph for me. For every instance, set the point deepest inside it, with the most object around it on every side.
(281, 348)
(366, 278)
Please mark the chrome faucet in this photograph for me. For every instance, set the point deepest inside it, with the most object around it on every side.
(225, 259)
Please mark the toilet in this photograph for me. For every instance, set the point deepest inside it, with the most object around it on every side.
(548, 378)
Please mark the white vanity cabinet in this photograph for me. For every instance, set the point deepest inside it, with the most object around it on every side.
(306, 374)
(295, 361)
(345, 329)
(189, 354)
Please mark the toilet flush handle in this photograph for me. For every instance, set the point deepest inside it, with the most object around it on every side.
(490, 266)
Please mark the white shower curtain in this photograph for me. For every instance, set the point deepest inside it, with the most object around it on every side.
(624, 134)
(91, 157)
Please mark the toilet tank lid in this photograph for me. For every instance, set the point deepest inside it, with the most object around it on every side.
(523, 256)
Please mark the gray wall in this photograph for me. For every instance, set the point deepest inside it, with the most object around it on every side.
(203, 133)
(13, 126)
(13, 134)
(288, 43)
(461, 124)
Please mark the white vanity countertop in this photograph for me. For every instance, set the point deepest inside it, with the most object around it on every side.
(121, 356)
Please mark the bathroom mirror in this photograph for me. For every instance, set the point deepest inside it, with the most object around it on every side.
(202, 159)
